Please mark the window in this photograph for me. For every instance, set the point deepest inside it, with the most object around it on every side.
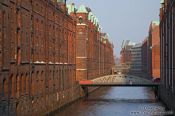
(27, 83)
(11, 86)
(5, 86)
(80, 19)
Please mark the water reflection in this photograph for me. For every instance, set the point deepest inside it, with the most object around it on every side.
(116, 101)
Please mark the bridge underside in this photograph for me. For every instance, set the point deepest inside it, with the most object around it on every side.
(117, 80)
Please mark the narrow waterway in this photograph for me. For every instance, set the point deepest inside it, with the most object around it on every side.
(116, 101)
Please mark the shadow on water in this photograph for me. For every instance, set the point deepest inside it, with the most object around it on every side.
(116, 101)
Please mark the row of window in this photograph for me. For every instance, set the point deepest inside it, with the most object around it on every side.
(36, 84)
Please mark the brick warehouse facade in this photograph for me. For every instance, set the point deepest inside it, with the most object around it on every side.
(37, 57)
(94, 52)
(154, 50)
(167, 30)
(38, 63)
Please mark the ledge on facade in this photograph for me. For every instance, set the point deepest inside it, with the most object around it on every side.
(5, 69)
(13, 61)
(25, 62)
(38, 62)
(51, 63)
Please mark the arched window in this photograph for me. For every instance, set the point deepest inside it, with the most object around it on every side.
(20, 84)
(32, 84)
(37, 83)
(42, 82)
(27, 84)
(23, 84)
(5, 88)
(11, 86)
(80, 19)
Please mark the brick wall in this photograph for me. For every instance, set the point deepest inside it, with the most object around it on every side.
(94, 54)
(37, 57)
(154, 51)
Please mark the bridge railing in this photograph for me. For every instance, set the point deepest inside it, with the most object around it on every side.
(119, 80)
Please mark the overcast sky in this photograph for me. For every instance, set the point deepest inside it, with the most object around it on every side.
(123, 19)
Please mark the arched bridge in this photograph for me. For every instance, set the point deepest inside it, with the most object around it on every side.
(117, 80)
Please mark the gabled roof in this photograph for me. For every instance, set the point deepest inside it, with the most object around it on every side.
(82, 9)
(90, 16)
(71, 8)
(95, 20)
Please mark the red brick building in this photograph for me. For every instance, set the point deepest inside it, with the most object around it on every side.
(94, 52)
(125, 53)
(126, 56)
(37, 57)
(38, 60)
(154, 50)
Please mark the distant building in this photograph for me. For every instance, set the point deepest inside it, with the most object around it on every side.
(125, 53)
(136, 59)
(94, 52)
(154, 50)
(145, 56)
(126, 56)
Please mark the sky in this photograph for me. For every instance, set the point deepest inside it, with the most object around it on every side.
(123, 19)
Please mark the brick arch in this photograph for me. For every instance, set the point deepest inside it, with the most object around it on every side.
(27, 83)
(42, 82)
(17, 108)
(22, 82)
(5, 87)
(33, 83)
(37, 89)
(17, 85)
(57, 79)
(12, 85)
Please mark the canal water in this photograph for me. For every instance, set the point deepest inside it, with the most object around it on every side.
(117, 101)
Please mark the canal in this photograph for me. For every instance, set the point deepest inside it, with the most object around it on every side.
(117, 101)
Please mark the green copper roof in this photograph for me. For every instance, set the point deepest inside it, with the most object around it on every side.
(71, 8)
(156, 22)
(90, 16)
(162, 1)
(82, 9)
(95, 20)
